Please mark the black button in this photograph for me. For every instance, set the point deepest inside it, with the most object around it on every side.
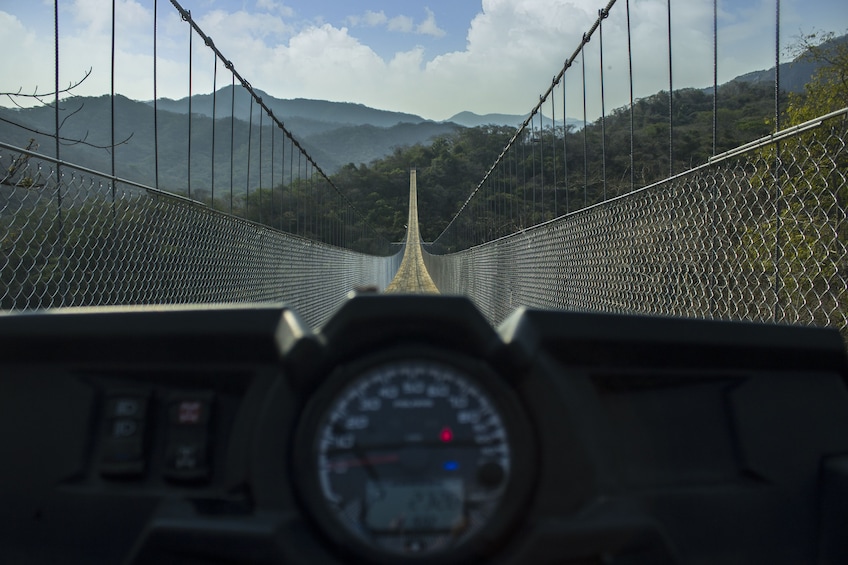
(189, 412)
(119, 428)
(123, 446)
(123, 405)
(189, 424)
(187, 461)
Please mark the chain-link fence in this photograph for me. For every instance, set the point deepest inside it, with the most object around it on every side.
(757, 234)
(72, 237)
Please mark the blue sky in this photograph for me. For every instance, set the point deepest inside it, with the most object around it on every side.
(432, 58)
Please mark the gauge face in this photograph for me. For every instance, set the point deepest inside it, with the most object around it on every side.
(412, 457)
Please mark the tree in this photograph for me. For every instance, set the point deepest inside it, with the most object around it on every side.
(802, 236)
(827, 91)
(49, 100)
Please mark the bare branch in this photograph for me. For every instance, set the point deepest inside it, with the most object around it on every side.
(71, 114)
(73, 141)
(39, 97)
(43, 100)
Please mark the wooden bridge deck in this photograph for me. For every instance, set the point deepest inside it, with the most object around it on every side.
(412, 275)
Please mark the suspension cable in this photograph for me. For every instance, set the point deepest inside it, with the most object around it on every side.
(542, 160)
(776, 173)
(249, 144)
(601, 16)
(155, 99)
(214, 121)
(565, 145)
(777, 67)
(585, 132)
(520, 132)
(630, 72)
(715, 77)
(670, 100)
(232, 128)
(260, 169)
(63, 284)
(294, 143)
(188, 164)
(554, 151)
(112, 101)
(292, 195)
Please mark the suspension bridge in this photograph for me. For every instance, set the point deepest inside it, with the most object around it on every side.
(756, 232)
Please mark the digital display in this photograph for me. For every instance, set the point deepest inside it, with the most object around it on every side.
(419, 507)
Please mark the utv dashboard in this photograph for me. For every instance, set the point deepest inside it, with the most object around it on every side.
(408, 430)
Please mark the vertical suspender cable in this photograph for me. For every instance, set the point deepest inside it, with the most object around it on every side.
(630, 71)
(285, 227)
(601, 15)
(524, 222)
(232, 128)
(190, 36)
(585, 126)
(112, 147)
(715, 76)
(564, 145)
(292, 195)
(297, 197)
(670, 101)
(542, 158)
(249, 147)
(554, 151)
(533, 147)
(56, 87)
(777, 67)
(112, 102)
(214, 120)
(509, 188)
(714, 265)
(61, 238)
(155, 99)
(311, 201)
(259, 190)
(777, 185)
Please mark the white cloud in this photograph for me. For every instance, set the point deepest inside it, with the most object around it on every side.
(276, 7)
(17, 71)
(403, 24)
(369, 19)
(429, 26)
(513, 48)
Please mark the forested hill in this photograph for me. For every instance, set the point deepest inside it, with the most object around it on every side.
(450, 168)
(86, 133)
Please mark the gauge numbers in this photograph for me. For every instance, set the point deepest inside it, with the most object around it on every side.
(413, 457)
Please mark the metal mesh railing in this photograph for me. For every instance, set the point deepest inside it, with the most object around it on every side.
(72, 237)
(756, 234)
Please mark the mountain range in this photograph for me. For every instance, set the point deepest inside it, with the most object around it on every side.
(334, 133)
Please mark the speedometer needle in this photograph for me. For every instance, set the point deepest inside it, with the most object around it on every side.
(364, 461)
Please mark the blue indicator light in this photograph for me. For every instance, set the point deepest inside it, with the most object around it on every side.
(450, 466)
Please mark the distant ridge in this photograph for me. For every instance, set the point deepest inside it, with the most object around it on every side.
(472, 120)
(336, 113)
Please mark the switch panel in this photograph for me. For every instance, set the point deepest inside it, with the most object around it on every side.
(125, 423)
(187, 454)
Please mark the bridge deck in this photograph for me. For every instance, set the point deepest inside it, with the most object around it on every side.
(412, 275)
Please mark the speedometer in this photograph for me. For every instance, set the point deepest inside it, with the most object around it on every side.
(417, 457)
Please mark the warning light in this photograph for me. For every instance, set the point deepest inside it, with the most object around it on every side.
(446, 435)
(450, 465)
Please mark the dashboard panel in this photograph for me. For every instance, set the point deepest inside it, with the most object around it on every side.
(407, 429)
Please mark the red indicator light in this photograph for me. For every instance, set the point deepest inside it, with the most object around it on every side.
(446, 435)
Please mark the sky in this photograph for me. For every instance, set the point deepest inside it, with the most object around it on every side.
(432, 58)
